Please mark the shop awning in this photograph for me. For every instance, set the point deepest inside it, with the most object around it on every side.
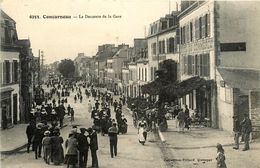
(6, 89)
(187, 86)
(152, 88)
(240, 78)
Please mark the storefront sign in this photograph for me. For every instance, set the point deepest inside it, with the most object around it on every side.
(198, 46)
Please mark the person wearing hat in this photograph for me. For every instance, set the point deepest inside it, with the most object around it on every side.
(97, 104)
(53, 115)
(237, 131)
(112, 133)
(29, 132)
(46, 144)
(83, 146)
(220, 157)
(71, 145)
(57, 155)
(43, 114)
(93, 144)
(37, 140)
(246, 129)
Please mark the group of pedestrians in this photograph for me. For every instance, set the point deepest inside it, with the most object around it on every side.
(243, 129)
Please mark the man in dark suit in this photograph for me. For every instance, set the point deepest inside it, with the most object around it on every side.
(112, 132)
(246, 126)
(93, 146)
(29, 132)
(237, 131)
(83, 146)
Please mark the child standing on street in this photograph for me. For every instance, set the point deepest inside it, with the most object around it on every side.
(220, 157)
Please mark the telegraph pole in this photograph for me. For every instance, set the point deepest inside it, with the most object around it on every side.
(40, 64)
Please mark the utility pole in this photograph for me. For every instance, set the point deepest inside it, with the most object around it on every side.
(40, 64)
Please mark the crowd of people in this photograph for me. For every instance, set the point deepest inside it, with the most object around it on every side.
(44, 130)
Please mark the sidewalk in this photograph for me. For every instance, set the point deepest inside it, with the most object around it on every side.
(14, 139)
(197, 148)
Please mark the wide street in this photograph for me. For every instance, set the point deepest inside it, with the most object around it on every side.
(130, 152)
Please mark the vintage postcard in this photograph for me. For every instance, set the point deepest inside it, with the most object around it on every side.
(130, 83)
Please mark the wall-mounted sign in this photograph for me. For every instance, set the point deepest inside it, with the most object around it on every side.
(222, 83)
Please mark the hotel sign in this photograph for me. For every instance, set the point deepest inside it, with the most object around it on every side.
(198, 46)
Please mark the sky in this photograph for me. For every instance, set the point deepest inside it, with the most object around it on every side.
(65, 38)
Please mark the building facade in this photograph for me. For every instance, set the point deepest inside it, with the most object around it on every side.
(10, 76)
(237, 61)
(218, 44)
(163, 42)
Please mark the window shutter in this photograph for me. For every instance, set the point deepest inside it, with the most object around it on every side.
(208, 25)
(203, 26)
(1, 72)
(196, 65)
(13, 71)
(7, 66)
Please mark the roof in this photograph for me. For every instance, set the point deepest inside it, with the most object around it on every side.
(5, 16)
(240, 78)
(103, 55)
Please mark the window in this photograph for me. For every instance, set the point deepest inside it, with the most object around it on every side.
(170, 45)
(189, 65)
(153, 48)
(185, 65)
(204, 67)
(207, 25)
(162, 47)
(170, 22)
(187, 33)
(164, 25)
(197, 29)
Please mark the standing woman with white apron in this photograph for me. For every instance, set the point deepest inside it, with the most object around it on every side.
(142, 133)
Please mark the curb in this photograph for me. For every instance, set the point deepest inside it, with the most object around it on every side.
(13, 151)
(160, 135)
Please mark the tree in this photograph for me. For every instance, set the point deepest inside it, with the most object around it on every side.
(167, 75)
(66, 68)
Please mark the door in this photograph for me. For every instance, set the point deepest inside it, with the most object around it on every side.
(243, 106)
(15, 108)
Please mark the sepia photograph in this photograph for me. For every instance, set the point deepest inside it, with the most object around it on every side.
(130, 84)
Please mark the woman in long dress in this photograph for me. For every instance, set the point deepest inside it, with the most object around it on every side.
(142, 133)
(57, 154)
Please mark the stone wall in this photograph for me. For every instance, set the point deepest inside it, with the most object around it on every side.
(254, 108)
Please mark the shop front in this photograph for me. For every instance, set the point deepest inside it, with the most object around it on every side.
(6, 108)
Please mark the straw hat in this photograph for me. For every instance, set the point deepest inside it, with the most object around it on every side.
(39, 125)
(47, 133)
